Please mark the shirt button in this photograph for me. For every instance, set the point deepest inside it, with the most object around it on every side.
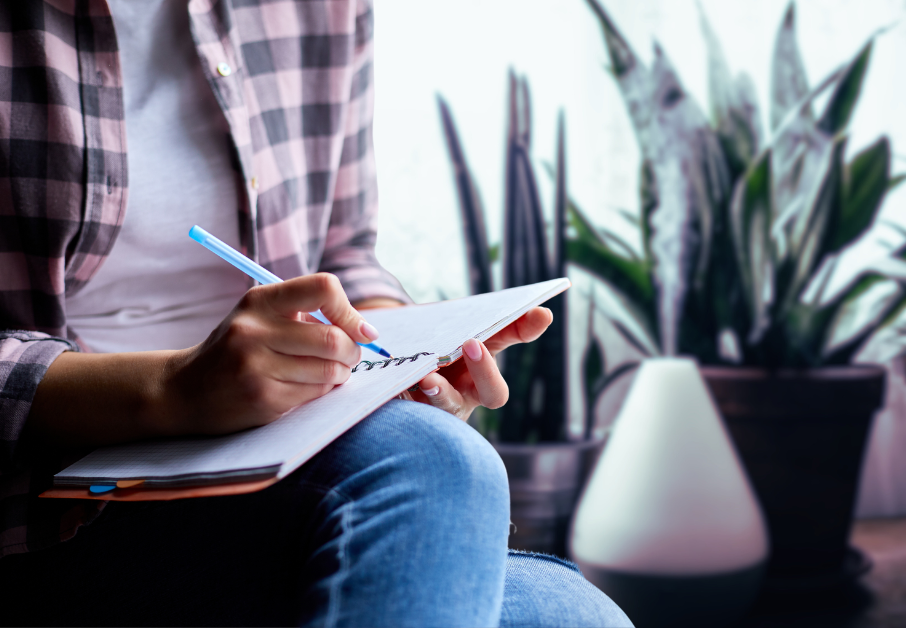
(254, 183)
(224, 69)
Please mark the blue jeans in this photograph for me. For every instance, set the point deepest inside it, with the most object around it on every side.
(403, 521)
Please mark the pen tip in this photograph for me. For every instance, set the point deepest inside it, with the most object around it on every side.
(385, 353)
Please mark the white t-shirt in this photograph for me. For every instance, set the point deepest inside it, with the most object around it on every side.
(159, 289)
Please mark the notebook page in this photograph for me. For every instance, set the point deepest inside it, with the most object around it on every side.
(444, 326)
(302, 431)
(288, 442)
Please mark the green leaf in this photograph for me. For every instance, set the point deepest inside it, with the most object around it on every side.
(631, 218)
(648, 196)
(607, 239)
(561, 201)
(642, 343)
(751, 211)
(894, 181)
(800, 161)
(865, 182)
(630, 285)
(814, 223)
(619, 245)
(593, 368)
(576, 219)
(622, 58)
(734, 107)
(525, 250)
(832, 332)
(789, 84)
(861, 306)
(864, 312)
(845, 96)
(590, 251)
(582, 226)
(686, 172)
(470, 207)
(629, 277)
(494, 252)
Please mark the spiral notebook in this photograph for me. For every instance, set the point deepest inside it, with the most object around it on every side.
(422, 337)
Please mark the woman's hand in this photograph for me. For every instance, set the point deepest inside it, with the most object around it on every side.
(475, 379)
(267, 357)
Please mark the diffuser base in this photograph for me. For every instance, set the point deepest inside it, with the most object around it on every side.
(655, 601)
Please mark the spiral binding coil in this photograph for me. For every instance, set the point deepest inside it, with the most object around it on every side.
(385, 363)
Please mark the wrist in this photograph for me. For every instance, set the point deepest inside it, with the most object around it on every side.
(164, 408)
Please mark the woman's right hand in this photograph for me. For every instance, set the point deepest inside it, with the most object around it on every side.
(266, 357)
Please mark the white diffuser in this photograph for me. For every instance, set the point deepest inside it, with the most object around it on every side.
(669, 525)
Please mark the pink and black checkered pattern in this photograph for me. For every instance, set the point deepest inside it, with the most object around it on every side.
(299, 102)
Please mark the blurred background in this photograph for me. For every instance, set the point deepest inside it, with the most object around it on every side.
(463, 52)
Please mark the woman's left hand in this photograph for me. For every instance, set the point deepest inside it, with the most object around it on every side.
(475, 379)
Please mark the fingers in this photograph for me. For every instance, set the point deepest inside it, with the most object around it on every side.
(435, 390)
(307, 370)
(314, 339)
(321, 291)
(526, 328)
(483, 385)
(490, 387)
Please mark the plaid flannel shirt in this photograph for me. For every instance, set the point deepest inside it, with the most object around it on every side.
(294, 81)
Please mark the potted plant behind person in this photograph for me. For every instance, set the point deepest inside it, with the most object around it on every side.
(743, 241)
(546, 470)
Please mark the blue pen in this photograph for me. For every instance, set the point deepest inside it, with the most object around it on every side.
(259, 273)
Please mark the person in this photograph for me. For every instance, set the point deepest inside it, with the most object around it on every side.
(253, 119)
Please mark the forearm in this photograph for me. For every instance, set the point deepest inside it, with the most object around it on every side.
(103, 398)
(256, 365)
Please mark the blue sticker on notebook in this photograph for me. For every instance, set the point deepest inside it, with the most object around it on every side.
(99, 489)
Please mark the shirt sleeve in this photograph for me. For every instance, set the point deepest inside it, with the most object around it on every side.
(24, 359)
(352, 232)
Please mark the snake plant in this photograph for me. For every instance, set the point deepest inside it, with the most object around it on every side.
(535, 372)
(742, 230)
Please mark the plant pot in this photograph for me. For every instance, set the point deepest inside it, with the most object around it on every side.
(801, 435)
(545, 482)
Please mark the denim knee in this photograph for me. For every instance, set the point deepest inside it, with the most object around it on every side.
(545, 591)
(440, 454)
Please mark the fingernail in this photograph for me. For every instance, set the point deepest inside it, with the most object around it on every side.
(432, 391)
(369, 330)
(472, 349)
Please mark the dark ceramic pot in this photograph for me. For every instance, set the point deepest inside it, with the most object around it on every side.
(545, 480)
(801, 435)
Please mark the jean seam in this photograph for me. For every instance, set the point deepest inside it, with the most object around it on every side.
(548, 557)
(336, 586)
(326, 490)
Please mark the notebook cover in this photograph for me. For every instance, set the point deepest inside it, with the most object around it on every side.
(139, 494)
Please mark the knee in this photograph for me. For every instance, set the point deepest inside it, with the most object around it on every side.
(547, 591)
(443, 456)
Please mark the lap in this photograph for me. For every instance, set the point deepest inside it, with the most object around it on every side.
(244, 559)
(543, 591)
(408, 507)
